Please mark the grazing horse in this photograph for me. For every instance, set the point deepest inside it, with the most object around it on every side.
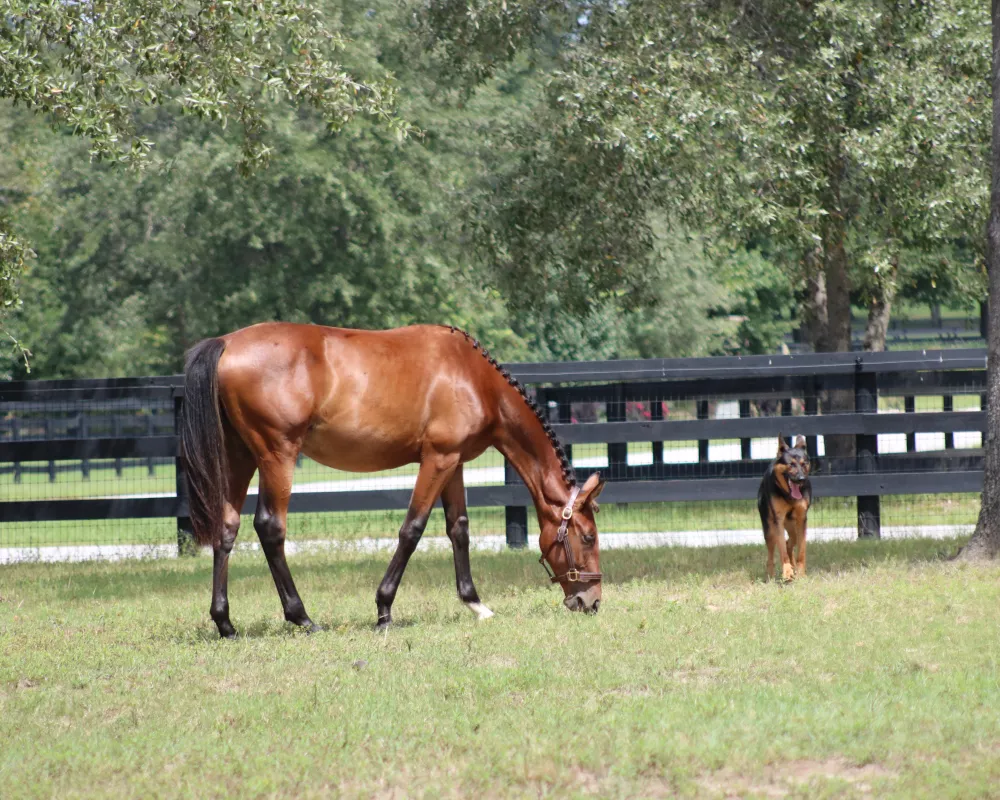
(363, 401)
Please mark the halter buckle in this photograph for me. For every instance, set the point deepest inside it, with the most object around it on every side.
(573, 576)
(567, 513)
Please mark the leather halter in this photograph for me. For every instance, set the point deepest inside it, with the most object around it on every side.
(572, 574)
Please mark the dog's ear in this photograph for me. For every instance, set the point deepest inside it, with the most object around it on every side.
(782, 444)
(800, 442)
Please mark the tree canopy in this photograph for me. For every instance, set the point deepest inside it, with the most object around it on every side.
(622, 180)
(847, 134)
(97, 66)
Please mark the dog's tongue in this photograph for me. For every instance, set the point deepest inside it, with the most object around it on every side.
(794, 490)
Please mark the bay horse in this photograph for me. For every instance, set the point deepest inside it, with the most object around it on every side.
(363, 401)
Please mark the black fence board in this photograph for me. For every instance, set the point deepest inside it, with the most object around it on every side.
(767, 427)
(94, 508)
(749, 366)
(43, 408)
(65, 449)
(962, 382)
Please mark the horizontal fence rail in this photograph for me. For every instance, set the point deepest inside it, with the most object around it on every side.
(84, 425)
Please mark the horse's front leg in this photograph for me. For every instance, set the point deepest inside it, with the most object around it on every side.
(435, 472)
(457, 523)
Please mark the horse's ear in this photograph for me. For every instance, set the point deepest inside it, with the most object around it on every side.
(591, 489)
(800, 442)
(782, 444)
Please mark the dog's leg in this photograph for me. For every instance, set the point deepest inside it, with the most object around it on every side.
(775, 537)
(800, 567)
(794, 537)
(784, 549)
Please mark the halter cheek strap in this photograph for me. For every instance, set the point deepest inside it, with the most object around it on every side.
(572, 574)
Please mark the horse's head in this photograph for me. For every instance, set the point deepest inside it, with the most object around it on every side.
(571, 550)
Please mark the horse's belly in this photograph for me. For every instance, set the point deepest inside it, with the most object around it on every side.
(357, 454)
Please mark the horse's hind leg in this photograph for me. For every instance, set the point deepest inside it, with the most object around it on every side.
(457, 523)
(241, 469)
(435, 472)
(270, 522)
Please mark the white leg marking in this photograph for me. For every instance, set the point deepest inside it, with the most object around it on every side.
(481, 611)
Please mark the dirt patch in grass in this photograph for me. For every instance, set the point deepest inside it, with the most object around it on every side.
(780, 780)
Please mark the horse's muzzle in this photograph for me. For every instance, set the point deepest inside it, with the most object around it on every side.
(588, 600)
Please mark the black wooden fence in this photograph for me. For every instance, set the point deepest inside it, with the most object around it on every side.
(629, 401)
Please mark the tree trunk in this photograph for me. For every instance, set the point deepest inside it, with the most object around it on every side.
(985, 542)
(815, 320)
(838, 290)
(878, 324)
(878, 312)
(838, 330)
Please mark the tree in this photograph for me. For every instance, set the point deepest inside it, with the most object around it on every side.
(985, 542)
(95, 67)
(843, 131)
(358, 228)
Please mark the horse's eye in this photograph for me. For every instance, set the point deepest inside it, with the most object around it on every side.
(588, 539)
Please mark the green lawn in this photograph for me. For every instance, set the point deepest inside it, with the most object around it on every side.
(876, 676)
(829, 512)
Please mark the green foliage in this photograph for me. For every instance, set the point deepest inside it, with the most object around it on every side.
(843, 131)
(626, 180)
(96, 67)
(763, 301)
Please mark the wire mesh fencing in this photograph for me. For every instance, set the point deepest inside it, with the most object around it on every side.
(90, 469)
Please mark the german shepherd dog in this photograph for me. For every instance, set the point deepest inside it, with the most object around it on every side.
(783, 502)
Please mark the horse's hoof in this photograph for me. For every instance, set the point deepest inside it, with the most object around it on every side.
(230, 634)
(312, 628)
(383, 624)
(481, 611)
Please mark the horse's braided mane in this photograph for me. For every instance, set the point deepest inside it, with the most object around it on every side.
(569, 474)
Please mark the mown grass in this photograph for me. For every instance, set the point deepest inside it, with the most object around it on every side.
(827, 512)
(877, 675)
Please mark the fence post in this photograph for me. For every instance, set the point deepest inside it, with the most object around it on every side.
(515, 517)
(811, 403)
(47, 428)
(564, 415)
(866, 448)
(701, 412)
(617, 451)
(656, 415)
(185, 532)
(745, 443)
(910, 407)
(116, 431)
(15, 435)
(948, 404)
(82, 432)
(150, 431)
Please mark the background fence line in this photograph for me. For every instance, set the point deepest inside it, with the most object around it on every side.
(115, 424)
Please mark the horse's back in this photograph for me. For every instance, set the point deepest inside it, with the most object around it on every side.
(355, 399)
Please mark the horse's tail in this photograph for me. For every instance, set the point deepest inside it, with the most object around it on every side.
(203, 445)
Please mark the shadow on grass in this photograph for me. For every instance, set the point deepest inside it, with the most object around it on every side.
(494, 573)
(204, 631)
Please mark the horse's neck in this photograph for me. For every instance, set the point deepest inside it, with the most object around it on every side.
(526, 446)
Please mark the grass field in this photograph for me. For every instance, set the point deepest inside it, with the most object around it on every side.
(835, 512)
(877, 675)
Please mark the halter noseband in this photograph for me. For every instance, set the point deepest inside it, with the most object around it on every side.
(572, 574)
